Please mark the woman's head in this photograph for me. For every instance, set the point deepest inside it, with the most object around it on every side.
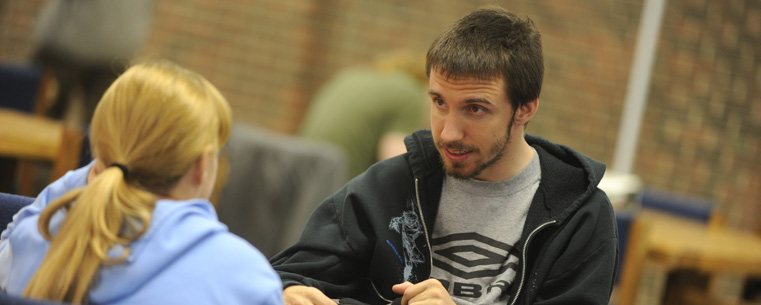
(156, 120)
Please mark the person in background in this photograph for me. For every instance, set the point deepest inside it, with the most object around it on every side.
(368, 110)
(135, 226)
(86, 44)
(476, 211)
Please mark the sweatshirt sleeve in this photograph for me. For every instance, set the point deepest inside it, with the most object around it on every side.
(323, 256)
(585, 267)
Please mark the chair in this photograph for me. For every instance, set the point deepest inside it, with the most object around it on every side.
(17, 300)
(274, 182)
(33, 138)
(624, 219)
(696, 208)
(24, 87)
(10, 205)
(672, 232)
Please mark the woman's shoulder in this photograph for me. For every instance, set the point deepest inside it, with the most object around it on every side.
(196, 255)
(229, 263)
(195, 221)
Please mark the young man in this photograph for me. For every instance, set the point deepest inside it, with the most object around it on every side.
(476, 212)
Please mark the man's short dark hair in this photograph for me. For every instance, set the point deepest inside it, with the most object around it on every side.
(490, 43)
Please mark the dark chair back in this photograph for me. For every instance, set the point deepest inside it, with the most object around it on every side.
(17, 300)
(274, 183)
(10, 205)
(695, 208)
(20, 86)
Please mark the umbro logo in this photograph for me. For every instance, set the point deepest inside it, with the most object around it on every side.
(472, 255)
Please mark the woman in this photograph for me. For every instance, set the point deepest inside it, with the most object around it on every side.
(135, 226)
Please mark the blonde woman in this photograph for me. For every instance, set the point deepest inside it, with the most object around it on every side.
(135, 226)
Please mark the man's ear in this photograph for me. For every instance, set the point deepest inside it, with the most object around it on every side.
(525, 112)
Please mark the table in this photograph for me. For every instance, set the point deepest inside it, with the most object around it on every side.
(30, 137)
(667, 242)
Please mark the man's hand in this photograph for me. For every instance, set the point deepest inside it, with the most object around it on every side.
(430, 291)
(303, 295)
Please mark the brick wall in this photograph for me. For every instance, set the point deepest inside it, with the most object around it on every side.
(702, 127)
(701, 132)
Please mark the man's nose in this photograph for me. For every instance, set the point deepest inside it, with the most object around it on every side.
(452, 131)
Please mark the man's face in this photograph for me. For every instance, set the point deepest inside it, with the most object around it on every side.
(471, 121)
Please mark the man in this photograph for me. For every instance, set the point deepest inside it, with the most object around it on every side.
(475, 212)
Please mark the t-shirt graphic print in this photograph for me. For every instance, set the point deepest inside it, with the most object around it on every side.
(479, 267)
(477, 226)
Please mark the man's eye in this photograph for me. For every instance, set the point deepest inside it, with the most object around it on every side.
(438, 102)
(476, 109)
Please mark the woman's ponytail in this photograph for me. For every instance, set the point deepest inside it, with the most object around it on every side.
(112, 213)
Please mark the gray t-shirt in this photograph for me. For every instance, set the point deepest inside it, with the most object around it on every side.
(477, 226)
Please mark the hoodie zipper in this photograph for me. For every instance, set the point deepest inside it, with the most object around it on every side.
(427, 240)
(378, 293)
(422, 220)
(523, 269)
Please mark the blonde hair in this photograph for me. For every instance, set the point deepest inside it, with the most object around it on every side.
(156, 120)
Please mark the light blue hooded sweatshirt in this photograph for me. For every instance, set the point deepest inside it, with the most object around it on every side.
(185, 257)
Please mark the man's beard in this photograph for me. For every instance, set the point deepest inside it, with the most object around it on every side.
(498, 151)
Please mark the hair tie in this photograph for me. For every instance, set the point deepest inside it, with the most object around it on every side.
(121, 167)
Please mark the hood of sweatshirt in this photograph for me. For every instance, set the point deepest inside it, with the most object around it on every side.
(568, 177)
(176, 227)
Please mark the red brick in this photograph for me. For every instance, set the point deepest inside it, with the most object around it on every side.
(269, 56)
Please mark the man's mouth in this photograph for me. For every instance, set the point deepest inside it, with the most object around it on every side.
(457, 155)
(458, 151)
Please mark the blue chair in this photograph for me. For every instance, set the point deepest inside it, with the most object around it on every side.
(17, 300)
(624, 219)
(691, 207)
(695, 208)
(632, 233)
(22, 87)
(10, 205)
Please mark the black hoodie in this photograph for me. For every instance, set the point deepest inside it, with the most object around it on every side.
(375, 231)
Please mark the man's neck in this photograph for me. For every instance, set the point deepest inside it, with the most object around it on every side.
(516, 158)
(519, 156)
